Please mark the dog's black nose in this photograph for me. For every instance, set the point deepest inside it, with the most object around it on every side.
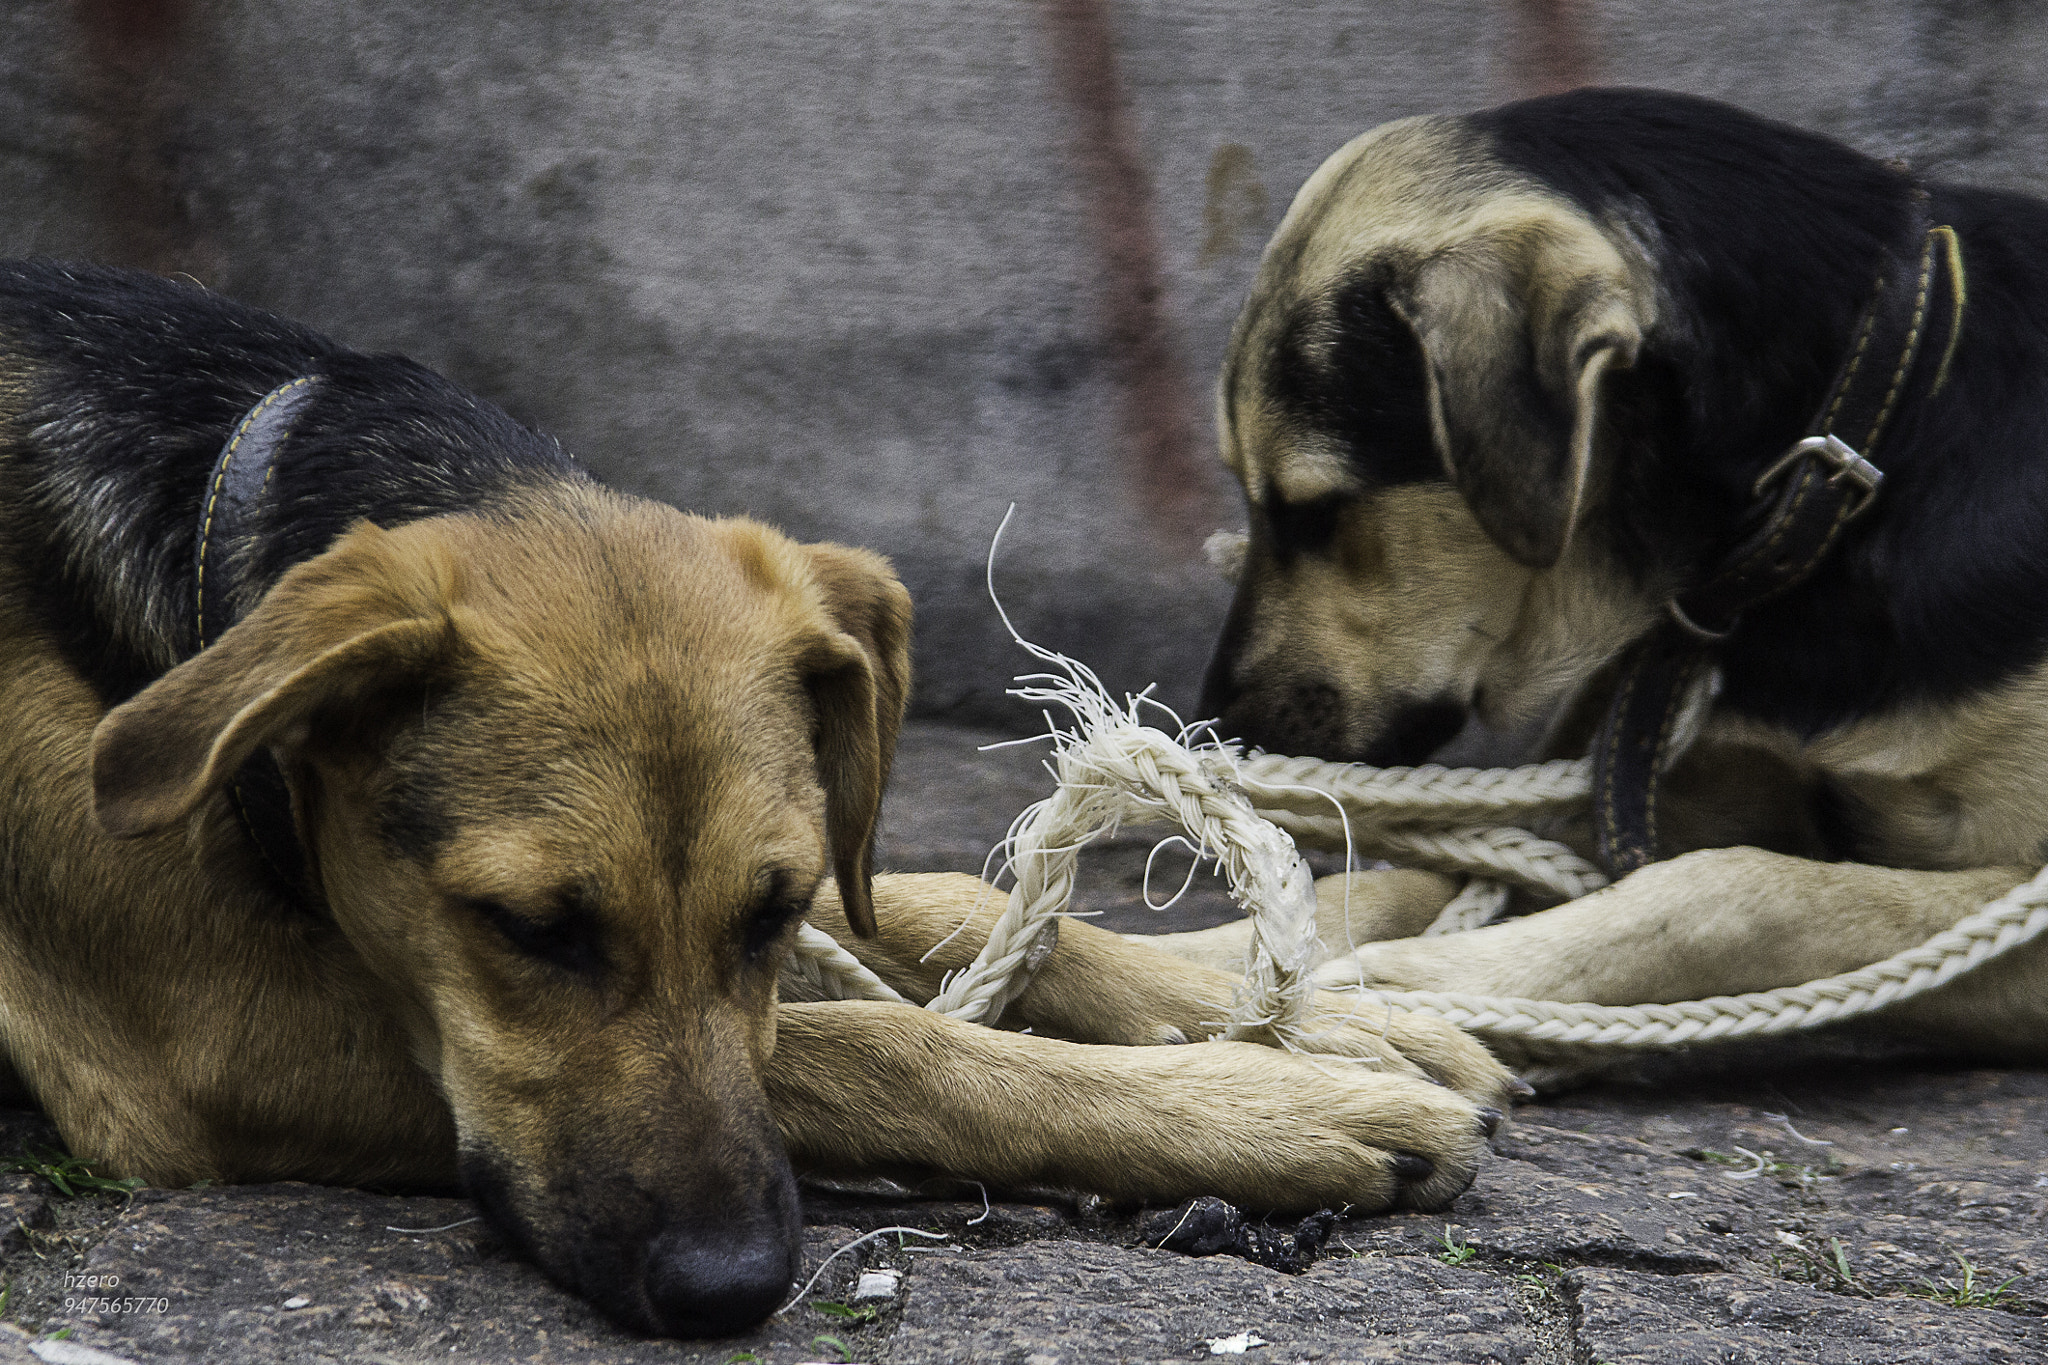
(713, 1288)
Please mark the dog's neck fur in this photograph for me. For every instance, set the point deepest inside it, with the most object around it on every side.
(1770, 239)
(102, 505)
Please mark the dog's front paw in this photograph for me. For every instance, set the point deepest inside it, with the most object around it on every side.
(1297, 1132)
(1347, 1026)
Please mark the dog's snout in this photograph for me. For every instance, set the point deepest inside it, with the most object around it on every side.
(1218, 689)
(1415, 732)
(706, 1254)
(1220, 685)
(726, 1268)
(1300, 718)
(701, 1288)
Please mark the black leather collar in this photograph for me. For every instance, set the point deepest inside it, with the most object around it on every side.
(235, 489)
(1807, 498)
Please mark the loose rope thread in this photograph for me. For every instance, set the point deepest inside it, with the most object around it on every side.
(1113, 770)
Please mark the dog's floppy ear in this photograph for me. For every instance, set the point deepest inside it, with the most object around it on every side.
(332, 628)
(859, 681)
(1516, 338)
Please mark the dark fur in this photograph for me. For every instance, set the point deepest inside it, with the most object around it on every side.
(1770, 238)
(1766, 240)
(134, 383)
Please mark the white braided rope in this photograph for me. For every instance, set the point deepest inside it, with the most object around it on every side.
(1116, 771)
(819, 969)
(1113, 770)
(1428, 795)
(1477, 905)
(1500, 852)
(2014, 919)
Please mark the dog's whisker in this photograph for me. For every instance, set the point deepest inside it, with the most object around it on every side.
(809, 1284)
(1783, 1122)
(1750, 1174)
(460, 1222)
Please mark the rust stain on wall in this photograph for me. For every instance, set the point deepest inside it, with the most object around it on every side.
(1551, 47)
(1233, 203)
(130, 79)
(1158, 434)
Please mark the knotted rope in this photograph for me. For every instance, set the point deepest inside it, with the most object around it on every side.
(1115, 771)
(2018, 917)
(1112, 770)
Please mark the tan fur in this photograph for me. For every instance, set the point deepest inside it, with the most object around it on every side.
(1416, 600)
(1424, 596)
(1429, 591)
(1351, 909)
(599, 706)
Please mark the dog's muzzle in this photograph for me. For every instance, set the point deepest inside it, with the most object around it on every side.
(719, 1265)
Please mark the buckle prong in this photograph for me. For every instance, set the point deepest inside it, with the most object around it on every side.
(1838, 455)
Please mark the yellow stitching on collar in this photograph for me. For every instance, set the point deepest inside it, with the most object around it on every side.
(220, 478)
(1912, 348)
(1952, 253)
(1855, 363)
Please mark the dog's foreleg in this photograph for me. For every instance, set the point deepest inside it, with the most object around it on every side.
(1729, 921)
(1353, 908)
(1101, 987)
(859, 1086)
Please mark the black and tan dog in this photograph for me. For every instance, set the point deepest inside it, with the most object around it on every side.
(1594, 395)
(385, 801)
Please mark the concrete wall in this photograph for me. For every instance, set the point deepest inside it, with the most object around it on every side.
(872, 270)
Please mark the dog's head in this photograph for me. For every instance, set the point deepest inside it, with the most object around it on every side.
(568, 775)
(1418, 400)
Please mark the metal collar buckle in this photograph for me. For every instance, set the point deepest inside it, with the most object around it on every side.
(1703, 634)
(1839, 456)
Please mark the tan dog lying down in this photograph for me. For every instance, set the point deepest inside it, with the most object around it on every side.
(385, 802)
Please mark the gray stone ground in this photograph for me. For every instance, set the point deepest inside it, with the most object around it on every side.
(1613, 1225)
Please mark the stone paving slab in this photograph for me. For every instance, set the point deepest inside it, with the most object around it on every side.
(1050, 1303)
(1774, 1205)
(1627, 1317)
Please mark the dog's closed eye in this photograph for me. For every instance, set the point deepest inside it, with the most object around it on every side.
(1305, 527)
(569, 939)
(778, 907)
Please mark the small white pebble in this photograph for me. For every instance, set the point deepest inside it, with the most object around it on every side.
(1681, 1194)
(1234, 1346)
(1898, 1130)
(877, 1284)
(297, 1301)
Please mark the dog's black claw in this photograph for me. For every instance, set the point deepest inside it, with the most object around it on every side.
(1490, 1120)
(1412, 1168)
